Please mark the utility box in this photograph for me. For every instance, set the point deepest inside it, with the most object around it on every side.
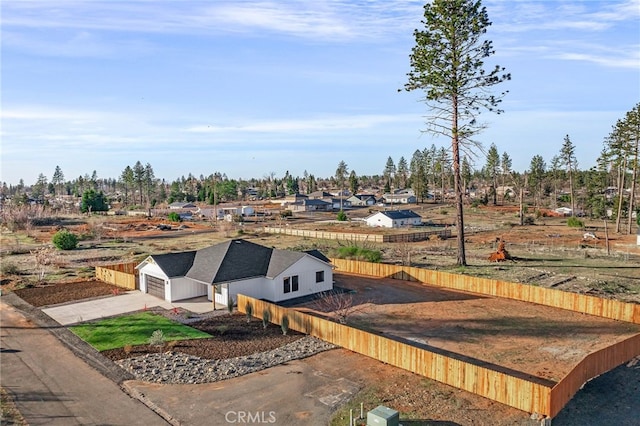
(383, 416)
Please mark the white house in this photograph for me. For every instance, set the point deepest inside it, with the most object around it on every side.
(394, 219)
(236, 266)
(405, 196)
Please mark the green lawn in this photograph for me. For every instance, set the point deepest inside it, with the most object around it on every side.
(134, 329)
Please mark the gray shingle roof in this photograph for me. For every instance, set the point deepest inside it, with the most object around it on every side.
(400, 214)
(230, 261)
(175, 264)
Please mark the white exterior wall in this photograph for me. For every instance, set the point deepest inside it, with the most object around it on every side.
(305, 269)
(380, 219)
(184, 288)
(398, 223)
(254, 287)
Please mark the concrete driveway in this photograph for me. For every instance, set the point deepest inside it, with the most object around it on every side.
(130, 301)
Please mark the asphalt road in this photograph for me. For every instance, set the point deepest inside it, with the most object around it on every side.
(52, 386)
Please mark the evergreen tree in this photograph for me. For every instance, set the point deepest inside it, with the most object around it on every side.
(353, 182)
(402, 173)
(127, 180)
(568, 157)
(58, 180)
(418, 175)
(447, 64)
(492, 168)
(341, 176)
(388, 174)
(537, 169)
(138, 177)
(93, 201)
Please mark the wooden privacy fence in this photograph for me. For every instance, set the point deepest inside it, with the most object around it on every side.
(352, 236)
(123, 275)
(592, 305)
(532, 396)
(591, 366)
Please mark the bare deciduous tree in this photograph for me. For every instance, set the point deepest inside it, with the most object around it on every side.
(340, 305)
(43, 257)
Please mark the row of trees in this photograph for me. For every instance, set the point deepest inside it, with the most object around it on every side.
(429, 173)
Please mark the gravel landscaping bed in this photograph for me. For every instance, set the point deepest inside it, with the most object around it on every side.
(179, 368)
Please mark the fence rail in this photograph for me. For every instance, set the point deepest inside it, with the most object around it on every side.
(353, 236)
(123, 275)
(591, 366)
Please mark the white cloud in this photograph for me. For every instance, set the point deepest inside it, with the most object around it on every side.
(334, 20)
(327, 124)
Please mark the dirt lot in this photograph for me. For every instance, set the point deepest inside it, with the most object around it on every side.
(525, 338)
(57, 293)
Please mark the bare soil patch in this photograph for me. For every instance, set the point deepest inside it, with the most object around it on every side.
(523, 339)
(63, 292)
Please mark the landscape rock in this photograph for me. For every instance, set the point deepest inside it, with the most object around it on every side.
(178, 368)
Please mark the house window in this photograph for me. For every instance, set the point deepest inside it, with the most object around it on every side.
(291, 284)
(218, 289)
(319, 276)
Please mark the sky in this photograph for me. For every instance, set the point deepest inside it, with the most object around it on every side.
(257, 88)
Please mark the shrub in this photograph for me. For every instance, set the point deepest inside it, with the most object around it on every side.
(174, 217)
(157, 338)
(9, 268)
(574, 222)
(358, 253)
(284, 325)
(248, 309)
(222, 328)
(529, 220)
(266, 317)
(342, 216)
(230, 304)
(65, 240)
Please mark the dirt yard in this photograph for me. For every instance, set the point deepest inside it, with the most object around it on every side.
(525, 338)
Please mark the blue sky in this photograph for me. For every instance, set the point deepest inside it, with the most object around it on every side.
(250, 88)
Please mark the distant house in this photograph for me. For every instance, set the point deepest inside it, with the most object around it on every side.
(320, 195)
(394, 219)
(225, 212)
(400, 197)
(311, 205)
(340, 203)
(181, 206)
(362, 200)
(224, 270)
(564, 211)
